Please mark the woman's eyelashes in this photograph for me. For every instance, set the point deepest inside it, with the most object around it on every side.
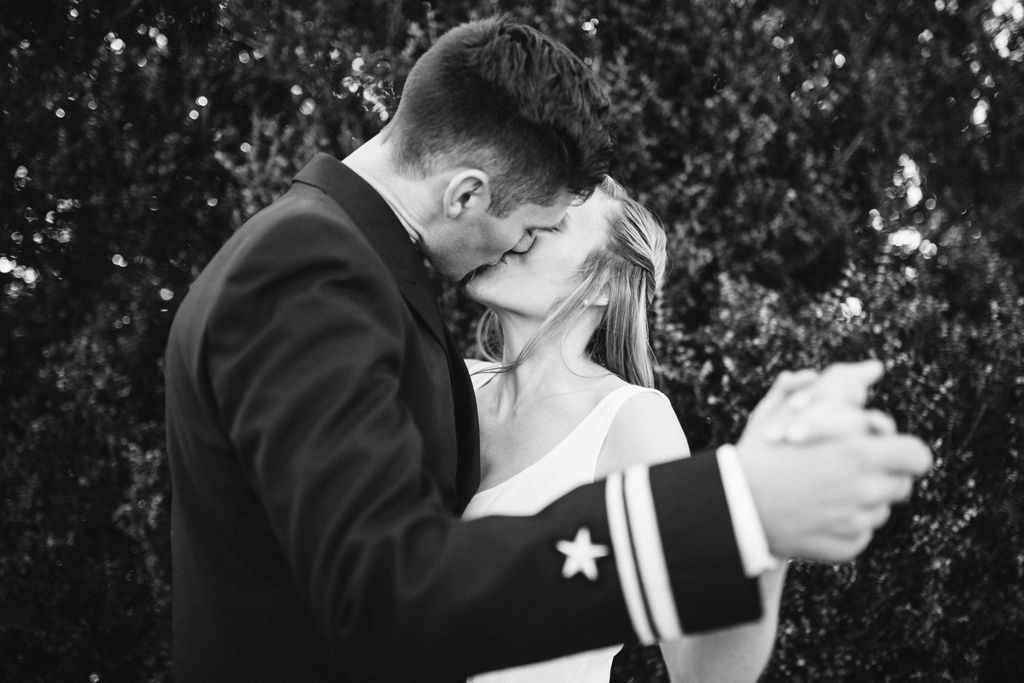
(551, 228)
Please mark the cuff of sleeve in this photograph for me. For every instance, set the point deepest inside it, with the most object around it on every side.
(751, 540)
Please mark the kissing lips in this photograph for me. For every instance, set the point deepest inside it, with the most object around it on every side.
(487, 266)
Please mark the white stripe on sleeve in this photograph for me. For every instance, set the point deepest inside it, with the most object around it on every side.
(643, 521)
(623, 545)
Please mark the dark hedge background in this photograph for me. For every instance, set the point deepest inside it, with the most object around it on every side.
(840, 180)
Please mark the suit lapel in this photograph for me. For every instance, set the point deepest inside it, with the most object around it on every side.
(378, 223)
(467, 476)
(374, 218)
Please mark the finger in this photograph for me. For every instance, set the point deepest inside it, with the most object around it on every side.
(872, 491)
(785, 385)
(839, 547)
(848, 381)
(901, 454)
(867, 371)
(902, 487)
(876, 517)
(862, 541)
(788, 382)
(890, 488)
(769, 413)
(859, 521)
(833, 420)
(880, 423)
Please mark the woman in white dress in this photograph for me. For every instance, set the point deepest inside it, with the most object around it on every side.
(566, 397)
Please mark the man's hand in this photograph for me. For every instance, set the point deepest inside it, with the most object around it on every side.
(824, 471)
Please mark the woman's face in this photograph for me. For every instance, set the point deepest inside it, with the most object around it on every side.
(533, 282)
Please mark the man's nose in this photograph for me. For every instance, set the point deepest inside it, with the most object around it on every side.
(524, 243)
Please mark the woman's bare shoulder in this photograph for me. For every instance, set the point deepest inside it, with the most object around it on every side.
(645, 430)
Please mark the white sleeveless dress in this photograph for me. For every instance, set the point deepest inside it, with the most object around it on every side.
(571, 463)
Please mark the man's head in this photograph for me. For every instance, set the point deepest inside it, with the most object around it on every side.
(518, 123)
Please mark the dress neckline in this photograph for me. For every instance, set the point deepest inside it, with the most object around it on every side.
(586, 418)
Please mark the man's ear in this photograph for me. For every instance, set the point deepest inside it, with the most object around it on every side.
(467, 193)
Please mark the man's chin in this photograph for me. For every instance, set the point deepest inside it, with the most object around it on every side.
(452, 272)
(468, 277)
(481, 269)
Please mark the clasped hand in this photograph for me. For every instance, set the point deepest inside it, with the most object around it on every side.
(823, 469)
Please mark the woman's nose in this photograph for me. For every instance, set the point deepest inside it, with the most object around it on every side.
(524, 243)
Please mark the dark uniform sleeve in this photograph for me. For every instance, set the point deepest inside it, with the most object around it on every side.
(304, 358)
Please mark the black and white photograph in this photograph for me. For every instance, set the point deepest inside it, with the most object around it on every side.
(581, 341)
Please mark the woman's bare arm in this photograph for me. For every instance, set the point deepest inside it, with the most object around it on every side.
(646, 431)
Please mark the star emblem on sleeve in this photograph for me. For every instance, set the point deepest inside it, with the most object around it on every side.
(580, 555)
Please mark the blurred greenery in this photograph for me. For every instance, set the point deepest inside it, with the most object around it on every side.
(838, 180)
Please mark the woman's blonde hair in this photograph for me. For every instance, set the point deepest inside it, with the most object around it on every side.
(629, 271)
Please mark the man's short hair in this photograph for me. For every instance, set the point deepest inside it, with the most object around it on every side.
(503, 97)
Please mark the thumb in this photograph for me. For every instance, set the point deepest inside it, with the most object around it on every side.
(846, 381)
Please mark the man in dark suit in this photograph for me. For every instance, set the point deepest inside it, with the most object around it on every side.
(322, 429)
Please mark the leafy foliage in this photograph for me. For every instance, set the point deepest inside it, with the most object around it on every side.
(838, 181)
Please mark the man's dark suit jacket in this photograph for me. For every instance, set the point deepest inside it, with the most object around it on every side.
(322, 439)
